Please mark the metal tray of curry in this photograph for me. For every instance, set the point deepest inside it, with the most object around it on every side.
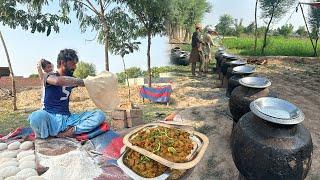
(169, 145)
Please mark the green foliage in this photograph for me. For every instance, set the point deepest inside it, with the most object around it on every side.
(275, 8)
(314, 21)
(277, 46)
(27, 14)
(302, 31)
(34, 76)
(285, 30)
(249, 29)
(133, 72)
(238, 27)
(224, 27)
(84, 70)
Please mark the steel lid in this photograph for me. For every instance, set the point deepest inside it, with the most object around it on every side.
(226, 55)
(221, 49)
(238, 62)
(246, 69)
(255, 82)
(277, 111)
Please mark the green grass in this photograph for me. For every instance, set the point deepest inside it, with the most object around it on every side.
(276, 46)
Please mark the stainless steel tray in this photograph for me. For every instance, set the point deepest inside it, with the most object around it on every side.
(255, 82)
(277, 111)
(246, 69)
(238, 62)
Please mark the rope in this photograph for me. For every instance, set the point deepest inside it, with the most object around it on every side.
(295, 10)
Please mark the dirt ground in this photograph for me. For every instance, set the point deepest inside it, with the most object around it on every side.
(200, 99)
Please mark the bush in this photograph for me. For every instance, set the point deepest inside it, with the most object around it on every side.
(84, 70)
(34, 76)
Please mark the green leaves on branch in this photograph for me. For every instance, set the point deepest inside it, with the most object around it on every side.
(27, 14)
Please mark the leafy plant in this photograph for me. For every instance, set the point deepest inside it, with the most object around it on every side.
(84, 70)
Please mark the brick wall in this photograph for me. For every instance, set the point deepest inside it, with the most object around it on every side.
(21, 82)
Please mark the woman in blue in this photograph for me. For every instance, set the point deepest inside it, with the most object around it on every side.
(55, 118)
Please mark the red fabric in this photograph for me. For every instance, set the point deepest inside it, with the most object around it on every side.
(104, 127)
(113, 149)
(166, 94)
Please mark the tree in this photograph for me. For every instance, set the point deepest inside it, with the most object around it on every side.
(302, 31)
(151, 15)
(273, 10)
(34, 76)
(224, 25)
(121, 41)
(27, 14)
(92, 14)
(249, 29)
(238, 27)
(285, 30)
(255, 26)
(314, 22)
(183, 14)
(84, 70)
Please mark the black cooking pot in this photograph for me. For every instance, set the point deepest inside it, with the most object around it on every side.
(238, 73)
(251, 89)
(264, 150)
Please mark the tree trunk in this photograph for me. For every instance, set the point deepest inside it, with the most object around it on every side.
(125, 72)
(305, 21)
(186, 36)
(316, 47)
(14, 100)
(256, 27)
(106, 49)
(149, 59)
(266, 32)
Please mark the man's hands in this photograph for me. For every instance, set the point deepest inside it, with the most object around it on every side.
(64, 81)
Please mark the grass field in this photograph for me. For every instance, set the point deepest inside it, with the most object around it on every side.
(276, 46)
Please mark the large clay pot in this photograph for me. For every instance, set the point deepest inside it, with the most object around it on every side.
(264, 150)
(238, 73)
(231, 65)
(242, 96)
(225, 65)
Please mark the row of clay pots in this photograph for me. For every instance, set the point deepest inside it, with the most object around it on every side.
(262, 149)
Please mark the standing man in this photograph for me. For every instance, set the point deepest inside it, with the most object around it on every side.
(208, 43)
(55, 118)
(196, 54)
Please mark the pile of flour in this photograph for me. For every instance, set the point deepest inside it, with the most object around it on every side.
(72, 165)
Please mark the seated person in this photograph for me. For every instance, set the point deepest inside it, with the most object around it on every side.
(55, 118)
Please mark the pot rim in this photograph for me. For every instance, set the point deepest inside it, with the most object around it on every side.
(260, 107)
(255, 82)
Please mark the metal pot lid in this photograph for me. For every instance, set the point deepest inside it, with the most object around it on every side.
(255, 82)
(226, 55)
(238, 62)
(277, 111)
(221, 49)
(246, 69)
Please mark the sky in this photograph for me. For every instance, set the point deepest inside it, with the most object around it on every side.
(25, 48)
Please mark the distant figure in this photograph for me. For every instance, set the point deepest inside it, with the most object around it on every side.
(208, 43)
(55, 118)
(44, 66)
(196, 54)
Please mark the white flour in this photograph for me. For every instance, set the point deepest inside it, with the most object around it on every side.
(73, 165)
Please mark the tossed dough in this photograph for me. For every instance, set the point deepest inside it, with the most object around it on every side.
(35, 178)
(103, 90)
